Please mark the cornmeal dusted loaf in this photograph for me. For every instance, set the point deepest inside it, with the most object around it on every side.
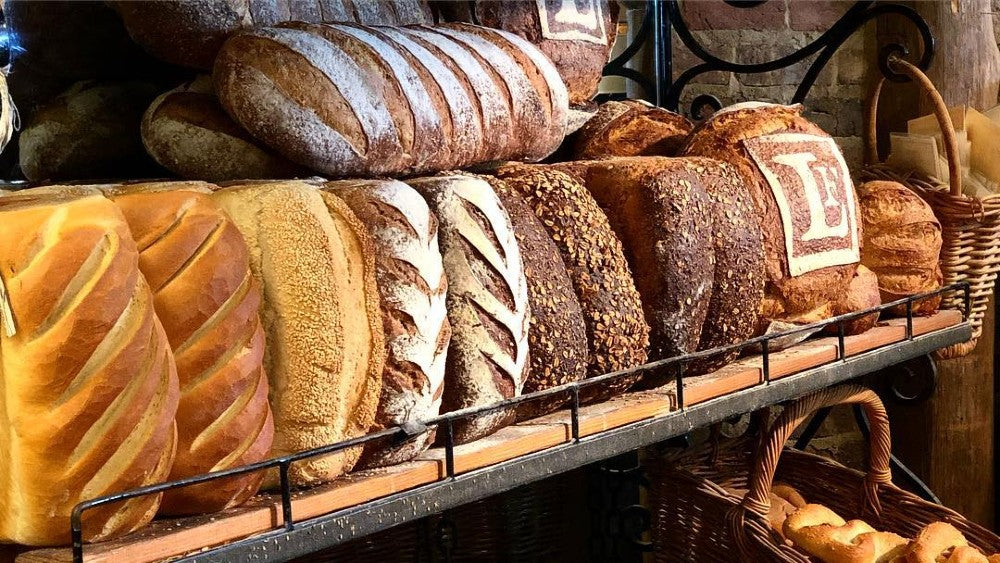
(487, 300)
(413, 287)
(861, 294)
(557, 335)
(325, 345)
(617, 333)
(186, 131)
(90, 387)
(631, 128)
(198, 268)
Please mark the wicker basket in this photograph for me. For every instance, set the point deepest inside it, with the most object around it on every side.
(710, 503)
(970, 226)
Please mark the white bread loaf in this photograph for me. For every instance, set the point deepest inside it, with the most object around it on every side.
(90, 387)
(198, 268)
(487, 300)
(413, 287)
(324, 338)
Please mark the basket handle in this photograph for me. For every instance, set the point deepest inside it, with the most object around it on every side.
(940, 111)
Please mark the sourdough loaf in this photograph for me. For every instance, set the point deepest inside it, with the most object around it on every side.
(90, 387)
(617, 333)
(198, 268)
(805, 198)
(902, 244)
(190, 32)
(323, 328)
(557, 335)
(631, 128)
(862, 293)
(413, 287)
(487, 300)
(186, 131)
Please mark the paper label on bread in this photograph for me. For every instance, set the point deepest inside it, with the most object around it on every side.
(815, 197)
(572, 20)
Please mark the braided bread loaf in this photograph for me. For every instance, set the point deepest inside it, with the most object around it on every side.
(825, 535)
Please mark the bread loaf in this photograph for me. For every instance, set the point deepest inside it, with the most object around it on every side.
(90, 387)
(902, 244)
(933, 541)
(487, 300)
(862, 293)
(186, 131)
(190, 32)
(356, 101)
(413, 287)
(631, 128)
(817, 530)
(803, 193)
(325, 345)
(198, 268)
(557, 335)
(617, 333)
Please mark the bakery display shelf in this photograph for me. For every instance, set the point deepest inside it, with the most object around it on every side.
(292, 523)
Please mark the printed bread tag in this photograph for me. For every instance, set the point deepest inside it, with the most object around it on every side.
(6, 312)
(572, 20)
(815, 197)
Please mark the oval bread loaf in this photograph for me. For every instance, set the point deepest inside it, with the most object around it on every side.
(487, 300)
(198, 268)
(862, 294)
(90, 387)
(413, 287)
(631, 128)
(325, 345)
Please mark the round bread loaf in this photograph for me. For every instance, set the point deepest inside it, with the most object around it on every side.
(631, 128)
(803, 193)
(902, 244)
(557, 335)
(862, 293)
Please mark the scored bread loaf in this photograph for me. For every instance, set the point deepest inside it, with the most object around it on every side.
(186, 131)
(198, 267)
(617, 333)
(862, 293)
(90, 387)
(487, 300)
(631, 128)
(413, 287)
(557, 335)
(323, 327)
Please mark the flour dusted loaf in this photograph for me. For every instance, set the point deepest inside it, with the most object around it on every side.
(631, 128)
(902, 244)
(325, 345)
(198, 267)
(413, 287)
(487, 300)
(190, 32)
(803, 193)
(617, 333)
(186, 131)
(90, 387)
(368, 101)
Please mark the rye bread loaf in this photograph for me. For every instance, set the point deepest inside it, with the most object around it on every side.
(557, 335)
(90, 386)
(631, 128)
(487, 300)
(323, 327)
(187, 132)
(413, 287)
(804, 196)
(862, 293)
(617, 333)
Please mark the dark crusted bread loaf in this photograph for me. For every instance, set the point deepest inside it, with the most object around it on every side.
(617, 333)
(631, 128)
(557, 335)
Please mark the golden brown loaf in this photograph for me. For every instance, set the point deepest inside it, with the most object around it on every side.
(631, 128)
(823, 534)
(487, 300)
(198, 268)
(90, 388)
(186, 131)
(413, 287)
(933, 542)
(325, 345)
(902, 243)
(617, 333)
(862, 293)
(803, 193)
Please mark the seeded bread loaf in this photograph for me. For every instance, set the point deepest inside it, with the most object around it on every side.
(413, 287)
(325, 345)
(197, 265)
(631, 128)
(90, 386)
(487, 300)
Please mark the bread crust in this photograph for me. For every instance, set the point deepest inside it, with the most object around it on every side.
(631, 128)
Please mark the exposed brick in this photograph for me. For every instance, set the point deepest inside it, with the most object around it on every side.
(716, 14)
(769, 46)
(854, 59)
(718, 43)
(837, 116)
(810, 15)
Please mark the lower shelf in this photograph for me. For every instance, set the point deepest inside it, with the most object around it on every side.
(369, 501)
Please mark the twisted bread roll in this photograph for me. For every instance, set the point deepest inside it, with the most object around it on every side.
(966, 554)
(198, 267)
(90, 387)
(784, 502)
(933, 542)
(822, 533)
